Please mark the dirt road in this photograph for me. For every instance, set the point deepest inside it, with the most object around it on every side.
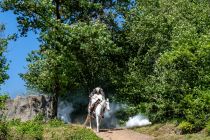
(122, 134)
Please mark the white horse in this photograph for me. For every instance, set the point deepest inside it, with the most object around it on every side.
(99, 112)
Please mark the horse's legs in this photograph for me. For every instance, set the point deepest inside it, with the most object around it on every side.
(97, 122)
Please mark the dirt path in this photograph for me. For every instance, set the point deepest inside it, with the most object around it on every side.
(122, 134)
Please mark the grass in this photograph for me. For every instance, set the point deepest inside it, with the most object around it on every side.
(169, 131)
(69, 132)
(53, 130)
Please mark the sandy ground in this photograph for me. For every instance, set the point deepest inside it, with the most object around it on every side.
(119, 134)
(122, 134)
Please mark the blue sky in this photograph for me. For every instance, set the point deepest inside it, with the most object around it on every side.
(16, 53)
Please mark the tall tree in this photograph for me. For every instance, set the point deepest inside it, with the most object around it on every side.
(79, 61)
(70, 56)
(42, 14)
(168, 69)
(3, 64)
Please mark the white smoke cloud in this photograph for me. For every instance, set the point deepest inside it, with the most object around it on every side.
(137, 120)
(110, 119)
(64, 111)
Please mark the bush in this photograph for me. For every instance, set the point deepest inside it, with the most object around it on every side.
(208, 127)
(14, 122)
(185, 127)
(3, 124)
(3, 99)
(3, 130)
(196, 108)
(30, 129)
(55, 123)
(39, 118)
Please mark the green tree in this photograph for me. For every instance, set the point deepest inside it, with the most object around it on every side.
(3, 63)
(77, 44)
(168, 70)
(181, 81)
(81, 62)
(33, 15)
(148, 29)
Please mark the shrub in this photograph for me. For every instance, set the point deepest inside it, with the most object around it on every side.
(3, 99)
(3, 124)
(185, 127)
(196, 108)
(3, 130)
(14, 122)
(208, 127)
(55, 122)
(39, 118)
(30, 129)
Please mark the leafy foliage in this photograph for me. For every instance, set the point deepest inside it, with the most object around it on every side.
(208, 127)
(85, 49)
(54, 129)
(14, 122)
(185, 127)
(55, 123)
(3, 63)
(156, 59)
(4, 129)
(30, 129)
(168, 72)
(77, 45)
(40, 15)
(3, 99)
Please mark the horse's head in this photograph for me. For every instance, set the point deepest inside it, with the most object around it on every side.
(107, 104)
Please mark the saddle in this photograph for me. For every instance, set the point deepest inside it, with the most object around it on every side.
(92, 110)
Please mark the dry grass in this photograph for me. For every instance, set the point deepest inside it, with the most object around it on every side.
(168, 131)
(69, 132)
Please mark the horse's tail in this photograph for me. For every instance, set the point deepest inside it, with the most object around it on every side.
(87, 119)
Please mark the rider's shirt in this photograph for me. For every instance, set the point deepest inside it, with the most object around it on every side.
(97, 90)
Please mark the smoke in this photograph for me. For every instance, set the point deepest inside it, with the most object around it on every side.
(138, 120)
(64, 111)
(67, 110)
(110, 120)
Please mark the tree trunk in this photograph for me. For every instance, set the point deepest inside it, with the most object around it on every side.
(57, 10)
(54, 106)
(56, 88)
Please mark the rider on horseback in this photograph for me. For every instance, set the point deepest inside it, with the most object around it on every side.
(97, 90)
(96, 96)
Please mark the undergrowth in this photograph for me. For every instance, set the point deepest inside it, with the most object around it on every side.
(38, 129)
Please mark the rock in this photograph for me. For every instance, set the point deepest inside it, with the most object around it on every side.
(27, 107)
